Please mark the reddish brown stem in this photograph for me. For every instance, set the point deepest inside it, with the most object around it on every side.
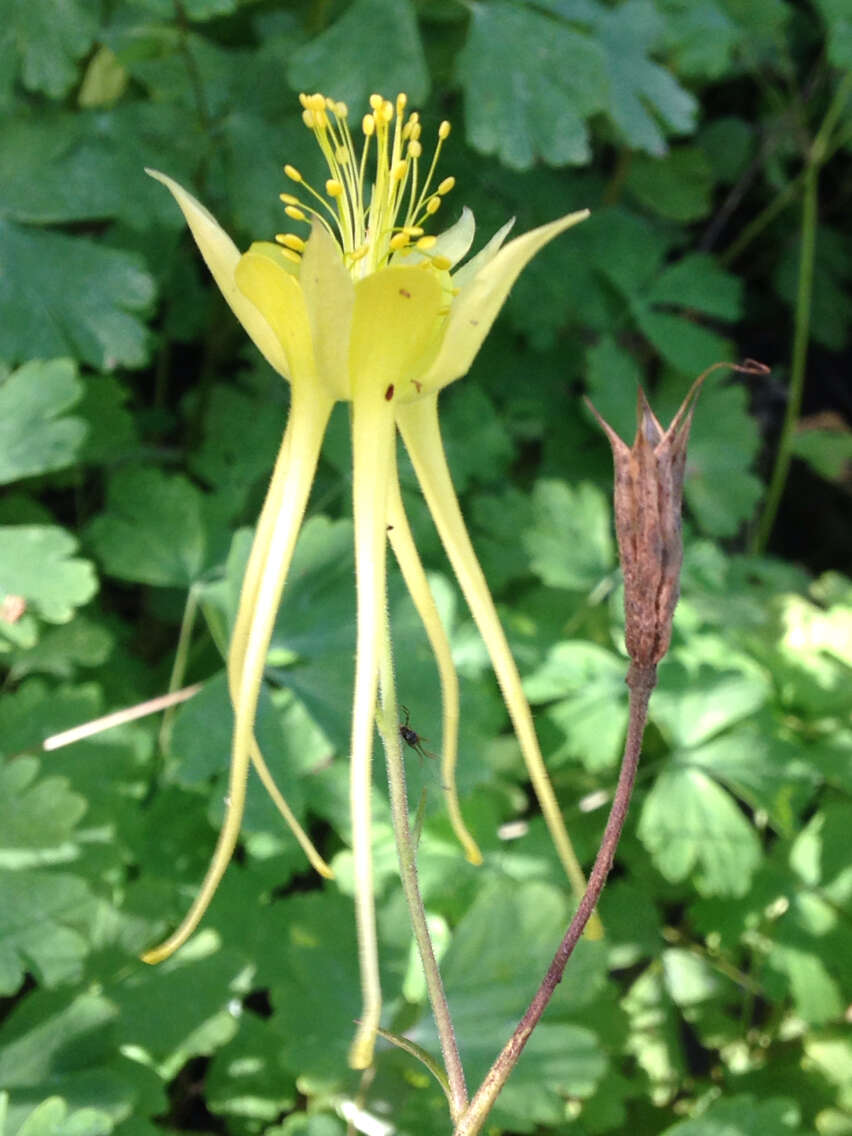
(641, 681)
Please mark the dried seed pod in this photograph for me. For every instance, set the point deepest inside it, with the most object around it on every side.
(648, 498)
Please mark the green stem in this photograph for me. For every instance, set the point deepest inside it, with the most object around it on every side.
(818, 154)
(641, 681)
(389, 730)
(179, 665)
(801, 335)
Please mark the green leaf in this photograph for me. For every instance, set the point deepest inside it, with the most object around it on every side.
(697, 281)
(37, 816)
(70, 296)
(762, 769)
(42, 916)
(153, 528)
(591, 711)
(828, 452)
(544, 117)
(700, 37)
(112, 431)
(678, 186)
(645, 97)
(35, 434)
(241, 439)
(612, 375)
(832, 284)
(56, 1045)
(54, 1118)
(246, 1081)
(693, 705)
(654, 1035)
(304, 936)
(720, 490)
(476, 442)
(838, 21)
(341, 59)
(34, 711)
(36, 562)
(690, 825)
(729, 145)
(184, 1007)
(49, 41)
(569, 541)
(495, 521)
(490, 971)
(741, 1115)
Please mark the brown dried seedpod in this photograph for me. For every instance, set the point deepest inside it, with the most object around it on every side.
(648, 498)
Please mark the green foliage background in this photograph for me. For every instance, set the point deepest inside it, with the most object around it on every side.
(137, 427)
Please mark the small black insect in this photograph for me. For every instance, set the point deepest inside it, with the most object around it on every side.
(412, 738)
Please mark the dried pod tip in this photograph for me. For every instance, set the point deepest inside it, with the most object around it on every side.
(648, 498)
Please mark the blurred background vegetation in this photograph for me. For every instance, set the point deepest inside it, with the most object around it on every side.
(711, 140)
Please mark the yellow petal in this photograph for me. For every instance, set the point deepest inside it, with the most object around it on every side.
(485, 255)
(262, 278)
(455, 242)
(477, 305)
(394, 323)
(221, 256)
(330, 297)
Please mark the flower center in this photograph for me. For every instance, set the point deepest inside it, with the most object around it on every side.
(392, 224)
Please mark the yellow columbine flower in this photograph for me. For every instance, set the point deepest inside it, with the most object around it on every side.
(369, 308)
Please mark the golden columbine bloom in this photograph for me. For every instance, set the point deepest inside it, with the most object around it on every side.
(370, 309)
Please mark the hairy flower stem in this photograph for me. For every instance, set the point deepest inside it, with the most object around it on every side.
(641, 681)
(405, 848)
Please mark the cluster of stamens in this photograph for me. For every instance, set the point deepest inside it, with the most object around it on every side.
(392, 224)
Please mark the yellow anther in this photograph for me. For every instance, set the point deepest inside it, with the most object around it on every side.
(400, 170)
(341, 110)
(414, 148)
(433, 205)
(446, 185)
(309, 119)
(442, 263)
(334, 188)
(292, 173)
(318, 102)
(398, 241)
(427, 242)
(288, 254)
(416, 128)
(376, 101)
(401, 100)
(387, 111)
(290, 241)
(359, 253)
(413, 230)
(444, 130)
(303, 99)
(288, 198)
(295, 213)
(368, 125)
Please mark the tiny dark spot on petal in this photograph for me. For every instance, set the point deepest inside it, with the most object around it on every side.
(389, 393)
(405, 292)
